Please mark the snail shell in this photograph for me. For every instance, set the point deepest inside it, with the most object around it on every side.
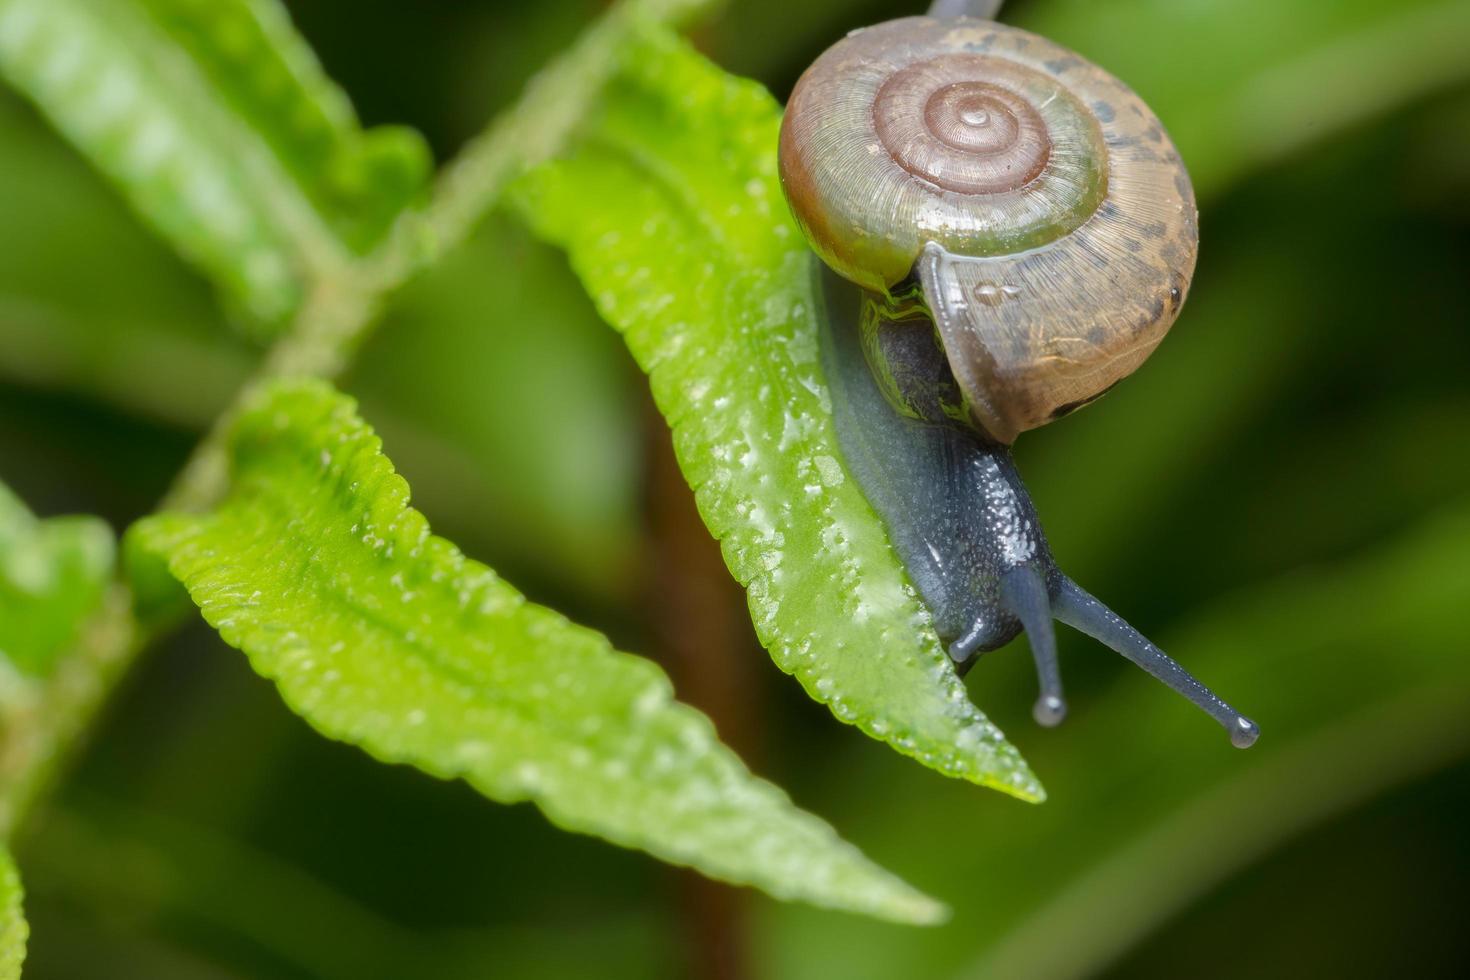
(1037, 202)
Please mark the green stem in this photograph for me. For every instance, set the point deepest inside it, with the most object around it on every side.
(40, 729)
(321, 341)
(529, 133)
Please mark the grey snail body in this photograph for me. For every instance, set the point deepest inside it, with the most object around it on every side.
(1008, 232)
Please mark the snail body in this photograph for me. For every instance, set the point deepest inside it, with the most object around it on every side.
(1009, 233)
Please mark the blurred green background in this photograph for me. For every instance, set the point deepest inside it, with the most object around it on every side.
(1281, 497)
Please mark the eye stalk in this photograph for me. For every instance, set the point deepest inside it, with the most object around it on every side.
(1021, 235)
(979, 9)
(1082, 612)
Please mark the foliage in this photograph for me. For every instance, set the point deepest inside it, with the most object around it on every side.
(1277, 496)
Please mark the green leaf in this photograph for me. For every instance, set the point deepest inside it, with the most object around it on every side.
(52, 575)
(216, 120)
(672, 212)
(13, 928)
(385, 636)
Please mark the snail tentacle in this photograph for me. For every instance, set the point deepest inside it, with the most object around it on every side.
(979, 9)
(1079, 610)
(1023, 594)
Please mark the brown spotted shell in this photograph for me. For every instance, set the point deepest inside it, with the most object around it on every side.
(1036, 199)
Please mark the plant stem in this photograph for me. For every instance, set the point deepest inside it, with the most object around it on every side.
(320, 344)
(529, 133)
(39, 732)
(321, 341)
(702, 636)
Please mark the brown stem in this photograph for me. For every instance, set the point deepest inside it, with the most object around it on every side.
(703, 637)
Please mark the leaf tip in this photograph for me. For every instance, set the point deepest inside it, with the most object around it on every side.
(921, 910)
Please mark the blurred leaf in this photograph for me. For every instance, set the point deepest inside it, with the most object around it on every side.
(385, 636)
(1355, 675)
(65, 627)
(218, 123)
(90, 302)
(13, 929)
(1244, 83)
(52, 576)
(672, 212)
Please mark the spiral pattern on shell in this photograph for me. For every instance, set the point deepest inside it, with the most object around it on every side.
(1053, 215)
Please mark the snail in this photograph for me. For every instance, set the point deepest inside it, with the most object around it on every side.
(1021, 234)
